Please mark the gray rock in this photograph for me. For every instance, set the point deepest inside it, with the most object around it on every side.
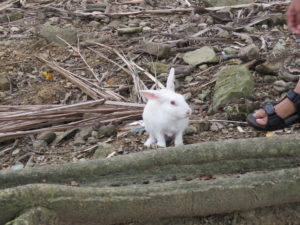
(16, 152)
(157, 67)
(157, 49)
(216, 126)
(210, 20)
(48, 137)
(40, 145)
(223, 34)
(15, 29)
(250, 29)
(188, 78)
(94, 24)
(64, 135)
(249, 52)
(147, 29)
(2, 94)
(107, 131)
(230, 51)
(282, 86)
(103, 150)
(83, 134)
(233, 82)
(269, 67)
(269, 79)
(187, 95)
(191, 130)
(204, 94)
(54, 20)
(50, 33)
(17, 166)
(203, 55)
(240, 111)
(203, 126)
(129, 30)
(4, 83)
(203, 67)
(278, 49)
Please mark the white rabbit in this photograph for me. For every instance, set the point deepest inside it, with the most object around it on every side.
(165, 114)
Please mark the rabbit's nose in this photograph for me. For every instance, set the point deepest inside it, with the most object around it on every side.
(188, 113)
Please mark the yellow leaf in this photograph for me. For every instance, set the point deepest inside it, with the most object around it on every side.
(48, 76)
(270, 134)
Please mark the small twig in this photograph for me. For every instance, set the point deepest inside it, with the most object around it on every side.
(83, 59)
(221, 121)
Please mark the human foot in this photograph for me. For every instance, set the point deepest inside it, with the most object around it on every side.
(277, 117)
(283, 109)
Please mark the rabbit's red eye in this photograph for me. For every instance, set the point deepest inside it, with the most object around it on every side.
(173, 102)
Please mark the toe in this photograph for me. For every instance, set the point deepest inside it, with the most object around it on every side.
(263, 121)
(259, 114)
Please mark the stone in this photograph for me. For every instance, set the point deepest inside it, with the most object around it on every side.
(129, 30)
(249, 52)
(250, 29)
(94, 24)
(187, 96)
(282, 86)
(65, 135)
(269, 79)
(215, 126)
(203, 67)
(103, 150)
(203, 126)
(17, 166)
(240, 111)
(40, 145)
(107, 131)
(203, 55)
(51, 34)
(2, 94)
(54, 20)
(83, 134)
(48, 137)
(210, 20)
(157, 67)
(16, 152)
(191, 130)
(4, 83)
(233, 82)
(204, 94)
(189, 78)
(15, 29)
(278, 49)
(223, 34)
(147, 29)
(276, 19)
(157, 49)
(230, 51)
(49, 94)
(269, 67)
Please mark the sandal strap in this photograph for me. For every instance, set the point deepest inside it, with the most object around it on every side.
(295, 98)
(273, 119)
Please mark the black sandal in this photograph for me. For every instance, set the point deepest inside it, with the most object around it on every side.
(274, 121)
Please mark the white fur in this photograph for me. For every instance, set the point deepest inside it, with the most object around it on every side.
(163, 119)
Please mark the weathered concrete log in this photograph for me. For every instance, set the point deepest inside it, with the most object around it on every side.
(86, 205)
(160, 184)
(35, 216)
(186, 162)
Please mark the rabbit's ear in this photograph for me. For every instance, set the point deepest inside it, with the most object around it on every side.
(151, 94)
(171, 80)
